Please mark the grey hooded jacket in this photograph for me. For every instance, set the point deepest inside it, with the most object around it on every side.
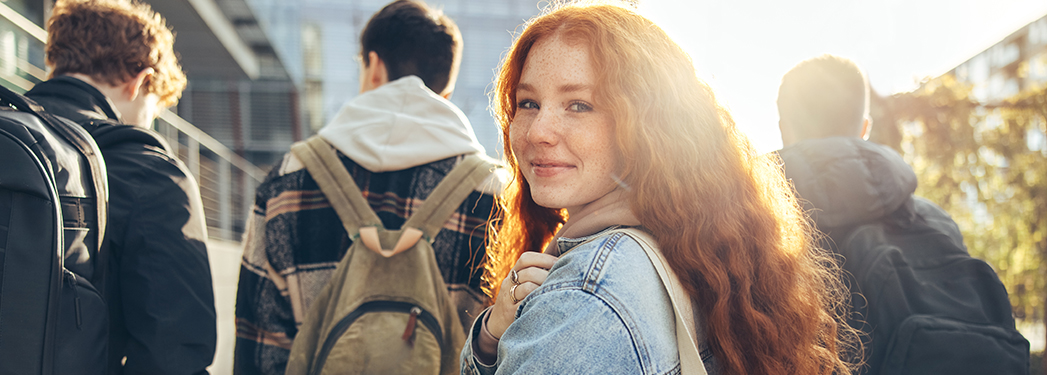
(844, 182)
(910, 265)
(848, 181)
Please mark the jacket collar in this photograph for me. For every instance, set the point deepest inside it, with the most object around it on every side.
(90, 102)
(609, 211)
(565, 244)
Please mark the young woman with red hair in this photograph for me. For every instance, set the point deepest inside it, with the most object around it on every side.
(606, 126)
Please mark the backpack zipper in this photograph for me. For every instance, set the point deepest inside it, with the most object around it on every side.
(409, 331)
(416, 312)
(70, 277)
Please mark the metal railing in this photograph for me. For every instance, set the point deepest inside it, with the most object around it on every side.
(227, 180)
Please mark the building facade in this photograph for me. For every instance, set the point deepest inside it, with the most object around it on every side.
(330, 49)
(245, 95)
(1016, 63)
(308, 55)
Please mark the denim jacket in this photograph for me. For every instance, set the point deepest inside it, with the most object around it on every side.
(601, 310)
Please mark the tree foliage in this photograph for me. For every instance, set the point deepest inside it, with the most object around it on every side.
(985, 164)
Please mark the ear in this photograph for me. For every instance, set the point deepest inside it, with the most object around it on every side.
(866, 127)
(377, 73)
(133, 87)
(449, 90)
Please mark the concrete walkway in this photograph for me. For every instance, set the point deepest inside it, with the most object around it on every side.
(225, 271)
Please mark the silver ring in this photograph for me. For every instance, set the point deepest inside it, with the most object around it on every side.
(514, 277)
(512, 294)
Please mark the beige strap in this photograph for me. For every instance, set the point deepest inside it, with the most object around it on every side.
(690, 358)
(445, 198)
(449, 194)
(357, 217)
(323, 164)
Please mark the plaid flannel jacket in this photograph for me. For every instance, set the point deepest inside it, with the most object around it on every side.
(294, 241)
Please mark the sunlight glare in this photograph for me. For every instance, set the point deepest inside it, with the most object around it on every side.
(742, 48)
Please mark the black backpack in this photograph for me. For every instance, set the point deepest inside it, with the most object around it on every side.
(926, 305)
(53, 209)
(109, 134)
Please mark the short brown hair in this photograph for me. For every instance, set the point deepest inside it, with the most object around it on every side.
(414, 39)
(824, 96)
(112, 41)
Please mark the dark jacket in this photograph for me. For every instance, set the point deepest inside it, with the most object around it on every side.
(845, 183)
(158, 282)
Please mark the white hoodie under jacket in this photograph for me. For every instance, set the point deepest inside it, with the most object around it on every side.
(399, 125)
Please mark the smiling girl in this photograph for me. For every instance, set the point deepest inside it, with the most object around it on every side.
(606, 126)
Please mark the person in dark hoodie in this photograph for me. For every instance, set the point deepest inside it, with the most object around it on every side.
(860, 194)
(113, 69)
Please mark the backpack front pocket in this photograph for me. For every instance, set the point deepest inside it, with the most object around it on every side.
(925, 344)
(83, 328)
(382, 337)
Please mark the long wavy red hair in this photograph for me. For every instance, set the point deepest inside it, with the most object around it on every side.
(724, 216)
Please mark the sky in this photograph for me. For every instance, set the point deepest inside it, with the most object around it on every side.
(743, 47)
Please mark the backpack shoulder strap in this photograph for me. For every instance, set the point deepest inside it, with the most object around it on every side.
(690, 357)
(108, 134)
(449, 194)
(348, 201)
(79, 139)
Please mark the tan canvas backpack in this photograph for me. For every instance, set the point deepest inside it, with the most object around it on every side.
(386, 309)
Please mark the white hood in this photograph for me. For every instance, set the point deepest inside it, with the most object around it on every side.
(399, 125)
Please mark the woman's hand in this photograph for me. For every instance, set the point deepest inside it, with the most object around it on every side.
(527, 275)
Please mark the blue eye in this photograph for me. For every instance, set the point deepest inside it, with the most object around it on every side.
(579, 107)
(527, 104)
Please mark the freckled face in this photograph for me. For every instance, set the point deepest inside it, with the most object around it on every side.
(562, 140)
